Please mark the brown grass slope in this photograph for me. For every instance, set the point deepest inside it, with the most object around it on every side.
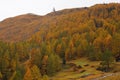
(24, 26)
(18, 28)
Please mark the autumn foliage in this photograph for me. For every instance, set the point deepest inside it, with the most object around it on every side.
(33, 47)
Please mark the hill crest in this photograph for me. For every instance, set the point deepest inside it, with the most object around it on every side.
(22, 27)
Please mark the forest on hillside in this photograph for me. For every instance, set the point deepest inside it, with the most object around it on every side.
(61, 36)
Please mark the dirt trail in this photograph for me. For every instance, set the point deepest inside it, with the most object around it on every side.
(106, 75)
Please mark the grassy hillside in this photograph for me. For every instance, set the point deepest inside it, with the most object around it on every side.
(19, 28)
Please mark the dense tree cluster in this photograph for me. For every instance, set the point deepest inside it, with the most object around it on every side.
(91, 32)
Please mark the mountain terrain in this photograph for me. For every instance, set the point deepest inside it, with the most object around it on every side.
(24, 26)
(70, 44)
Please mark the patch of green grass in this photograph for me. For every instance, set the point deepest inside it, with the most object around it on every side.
(80, 62)
(67, 74)
(66, 67)
(70, 75)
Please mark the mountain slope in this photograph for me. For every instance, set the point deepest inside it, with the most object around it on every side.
(18, 28)
(22, 27)
(59, 40)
